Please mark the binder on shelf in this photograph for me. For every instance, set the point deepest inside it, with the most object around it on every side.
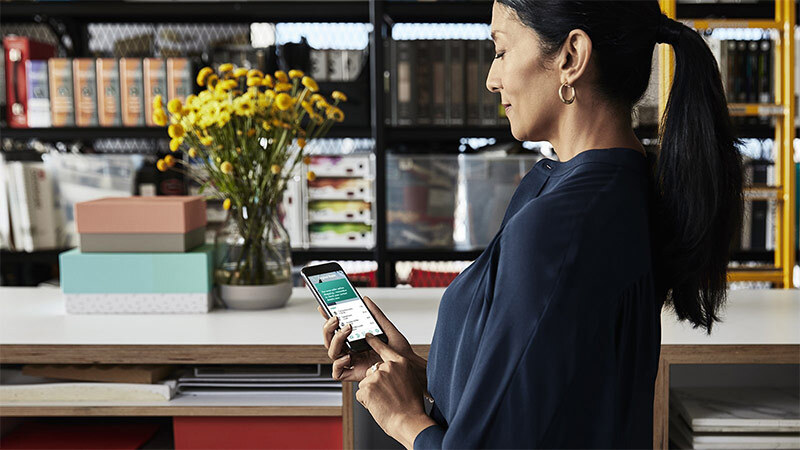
(62, 100)
(18, 50)
(108, 95)
(422, 93)
(155, 83)
(132, 91)
(454, 88)
(404, 97)
(472, 96)
(85, 90)
(38, 94)
(179, 79)
(438, 84)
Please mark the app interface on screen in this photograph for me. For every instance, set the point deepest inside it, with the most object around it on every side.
(342, 300)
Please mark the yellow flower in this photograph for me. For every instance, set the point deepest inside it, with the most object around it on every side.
(310, 84)
(158, 102)
(175, 144)
(227, 67)
(191, 99)
(311, 176)
(283, 87)
(202, 76)
(307, 106)
(240, 72)
(227, 85)
(170, 160)
(254, 81)
(301, 142)
(175, 130)
(275, 169)
(239, 150)
(339, 96)
(212, 81)
(226, 205)
(223, 118)
(265, 125)
(251, 132)
(306, 160)
(159, 117)
(267, 81)
(281, 76)
(207, 140)
(226, 167)
(335, 114)
(255, 73)
(284, 101)
(244, 107)
(316, 98)
(162, 165)
(192, 153)
(296, 73)
(175, 107)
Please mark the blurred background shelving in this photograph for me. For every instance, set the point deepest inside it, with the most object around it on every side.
(471, 152)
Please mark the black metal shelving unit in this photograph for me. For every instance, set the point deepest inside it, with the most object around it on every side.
(75, 15)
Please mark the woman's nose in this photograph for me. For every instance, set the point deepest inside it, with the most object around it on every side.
(493, 83)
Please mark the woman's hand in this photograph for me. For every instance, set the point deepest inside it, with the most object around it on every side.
(393, 395)
(353, 367)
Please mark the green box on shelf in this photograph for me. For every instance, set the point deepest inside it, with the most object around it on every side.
(137, 273)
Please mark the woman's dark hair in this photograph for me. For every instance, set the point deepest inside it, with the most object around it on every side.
(697, 179)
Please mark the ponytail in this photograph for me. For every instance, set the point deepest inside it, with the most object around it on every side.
(697, 181)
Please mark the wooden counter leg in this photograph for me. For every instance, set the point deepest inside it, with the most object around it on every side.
(347, 416)
(661, 406)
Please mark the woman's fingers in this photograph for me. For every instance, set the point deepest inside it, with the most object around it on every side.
(341, 367)
(337, 342)
(329, 329)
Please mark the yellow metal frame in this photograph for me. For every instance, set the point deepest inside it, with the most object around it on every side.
(783, 109)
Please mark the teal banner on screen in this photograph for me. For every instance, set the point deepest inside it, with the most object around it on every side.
(335, 291)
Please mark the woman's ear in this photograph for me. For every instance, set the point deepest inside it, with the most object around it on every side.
(574, 57)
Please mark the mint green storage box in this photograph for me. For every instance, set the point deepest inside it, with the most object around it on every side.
(137, 273)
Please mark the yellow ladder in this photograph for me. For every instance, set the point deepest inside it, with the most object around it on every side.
(784, 108)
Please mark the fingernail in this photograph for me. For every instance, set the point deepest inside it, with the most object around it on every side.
(370, 335)
(348, 327)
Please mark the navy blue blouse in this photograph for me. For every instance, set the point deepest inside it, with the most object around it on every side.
(551, 337)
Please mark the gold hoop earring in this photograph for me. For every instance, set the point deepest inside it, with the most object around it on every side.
(561, 93)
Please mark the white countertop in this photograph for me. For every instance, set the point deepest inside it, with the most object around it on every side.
(37, 316)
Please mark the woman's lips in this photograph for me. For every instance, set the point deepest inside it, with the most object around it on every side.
(507, 107)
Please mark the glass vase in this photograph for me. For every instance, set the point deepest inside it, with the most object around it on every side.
(253, 267)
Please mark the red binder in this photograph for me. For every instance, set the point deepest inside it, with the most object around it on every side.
(19, 49)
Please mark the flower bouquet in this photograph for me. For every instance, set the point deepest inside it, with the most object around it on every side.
(244, 135)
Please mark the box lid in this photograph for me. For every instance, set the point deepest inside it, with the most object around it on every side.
(164, 214)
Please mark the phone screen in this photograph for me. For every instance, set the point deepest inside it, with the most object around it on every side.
(341, 299)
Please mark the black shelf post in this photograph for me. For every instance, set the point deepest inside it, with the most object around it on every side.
(385, 267)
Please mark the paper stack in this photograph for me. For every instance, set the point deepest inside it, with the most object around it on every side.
(139, 255)
(731, 418)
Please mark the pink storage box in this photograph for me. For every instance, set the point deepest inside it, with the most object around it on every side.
(166, 214)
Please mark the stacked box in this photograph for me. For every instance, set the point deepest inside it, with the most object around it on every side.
(139, 255)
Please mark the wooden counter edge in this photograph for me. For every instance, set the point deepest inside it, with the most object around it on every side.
(9, 410)
(162, 354)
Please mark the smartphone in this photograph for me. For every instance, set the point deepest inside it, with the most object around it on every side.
(338, 297)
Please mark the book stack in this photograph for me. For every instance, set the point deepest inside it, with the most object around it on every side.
(139, 255)
(741, 417)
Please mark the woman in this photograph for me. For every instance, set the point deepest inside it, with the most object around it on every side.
(551, 337)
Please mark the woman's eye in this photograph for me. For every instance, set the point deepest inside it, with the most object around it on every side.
(499, 55)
